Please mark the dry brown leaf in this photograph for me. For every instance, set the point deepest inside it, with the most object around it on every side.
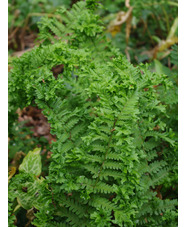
(30, 215)
(127, 3)
(161, 47)
(164, 44)
(115, 25)
(11, 172)
(19, 53)
(35, 119)
(17, 157)
(127, 53)
(167, 43)
(128, 27)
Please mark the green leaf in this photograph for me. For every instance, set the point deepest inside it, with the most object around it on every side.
(32, 163)
(31, 194)
(160, 68)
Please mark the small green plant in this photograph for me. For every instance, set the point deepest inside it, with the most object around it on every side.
(110, 120)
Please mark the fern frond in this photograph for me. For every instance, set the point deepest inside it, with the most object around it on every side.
(65, 147)
(94, 158)
(156, 166)
(113, 156)
(159, 177)
(73, 206)
(103, 188)
(111, 173)
(112, 165)
(104, 203)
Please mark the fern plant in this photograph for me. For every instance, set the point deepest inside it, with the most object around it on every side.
(109, 120)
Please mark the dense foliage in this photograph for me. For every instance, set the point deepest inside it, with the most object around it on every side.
(142, 30)
(115, 159)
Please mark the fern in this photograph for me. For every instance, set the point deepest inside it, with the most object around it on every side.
(104, 162)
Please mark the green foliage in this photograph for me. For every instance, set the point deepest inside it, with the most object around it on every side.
(18, 10)
(32, 163)
(174, 55)
(111, 123)
(20, 139)
(171, 154)
(26, 187)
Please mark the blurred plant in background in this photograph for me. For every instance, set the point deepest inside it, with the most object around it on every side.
(23, 17)
(143, 30)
